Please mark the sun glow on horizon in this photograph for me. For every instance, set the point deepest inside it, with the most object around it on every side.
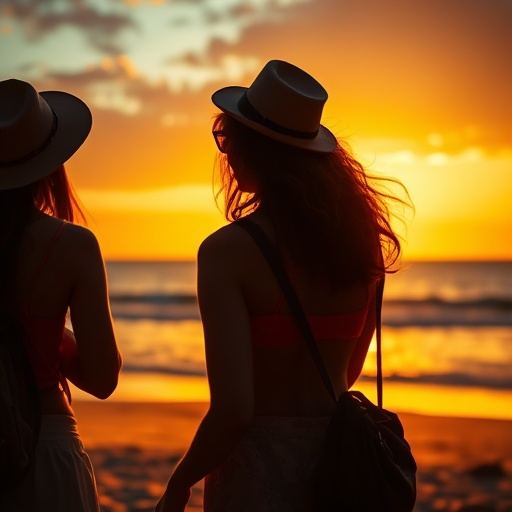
(433, 113)
(196, 198)
(461, 202)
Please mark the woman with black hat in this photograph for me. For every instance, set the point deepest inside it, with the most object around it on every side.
(50, 266)
(280, 168)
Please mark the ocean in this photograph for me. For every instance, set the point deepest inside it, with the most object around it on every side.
(447, 336)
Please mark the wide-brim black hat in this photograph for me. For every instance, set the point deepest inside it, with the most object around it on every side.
(38, 131)
(284, 103)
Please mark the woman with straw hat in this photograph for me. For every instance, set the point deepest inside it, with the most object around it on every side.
(263, 433)
(50, 266)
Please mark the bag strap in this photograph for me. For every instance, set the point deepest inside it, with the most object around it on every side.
(379, 294)
(297, 310)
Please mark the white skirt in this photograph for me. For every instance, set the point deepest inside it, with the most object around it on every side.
(61, 478)
(271, 470)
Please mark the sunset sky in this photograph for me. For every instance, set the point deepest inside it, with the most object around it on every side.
(421, 90)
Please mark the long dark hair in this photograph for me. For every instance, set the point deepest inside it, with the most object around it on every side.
(52, 195)
(327, 211)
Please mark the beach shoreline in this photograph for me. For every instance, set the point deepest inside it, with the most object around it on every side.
(462, 462)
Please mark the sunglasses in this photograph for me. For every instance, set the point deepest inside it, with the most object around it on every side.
(220, 140)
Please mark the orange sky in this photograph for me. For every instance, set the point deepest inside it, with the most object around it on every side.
(421, 90)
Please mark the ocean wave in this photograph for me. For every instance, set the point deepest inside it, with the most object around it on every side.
(153, 298)
(429, 312)
(494, 303)
(458, 379)
(156, 307)
(439, 312)
(178, 371)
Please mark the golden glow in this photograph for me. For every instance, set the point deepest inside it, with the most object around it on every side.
(182, 198)
(152, 387)
(416, 398)
(430, 111)
(462, 206)
(153, 236)
(442, 400)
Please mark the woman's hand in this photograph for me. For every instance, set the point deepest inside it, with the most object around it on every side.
(69, 355)
(173, 500)
(68, 347)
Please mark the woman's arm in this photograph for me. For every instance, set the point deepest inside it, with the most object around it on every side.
(94, 364)
(229, 366)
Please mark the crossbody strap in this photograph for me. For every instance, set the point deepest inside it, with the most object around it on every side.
(379, 294)
(297, 310)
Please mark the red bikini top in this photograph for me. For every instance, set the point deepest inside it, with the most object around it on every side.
(280, 330)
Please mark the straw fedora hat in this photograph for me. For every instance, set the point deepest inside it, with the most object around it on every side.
(284, 103)
(38, 132)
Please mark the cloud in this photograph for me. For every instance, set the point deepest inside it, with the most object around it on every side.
(39, 19)
(167, 41)
(116, 85)
(150, 79)
(195, 75)
(175, 45)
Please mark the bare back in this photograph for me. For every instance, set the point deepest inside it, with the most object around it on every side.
(286, 381)
(57, 274)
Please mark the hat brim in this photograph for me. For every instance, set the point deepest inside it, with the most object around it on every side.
(227, 98)
(74, 121)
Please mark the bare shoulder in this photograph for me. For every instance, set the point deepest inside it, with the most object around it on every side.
(75, 252)
(79, 252)
(227, 248)
(79, 234)
(73, 240)
(79, 240)
(228, 240)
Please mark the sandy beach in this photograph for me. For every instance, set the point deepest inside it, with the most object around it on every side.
(464, 464)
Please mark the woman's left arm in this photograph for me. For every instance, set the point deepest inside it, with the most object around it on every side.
(229, 366)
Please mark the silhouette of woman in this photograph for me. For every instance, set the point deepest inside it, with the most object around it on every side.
(262, 436)
(50, 266)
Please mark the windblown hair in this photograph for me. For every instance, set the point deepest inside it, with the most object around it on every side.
(53, 195)
(327, 212)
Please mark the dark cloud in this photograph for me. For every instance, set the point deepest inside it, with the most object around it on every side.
(100, 29)
(156, 99)
(84, 79)
(191, 59)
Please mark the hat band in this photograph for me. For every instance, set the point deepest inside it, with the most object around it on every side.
(35, 152)
(251, 113)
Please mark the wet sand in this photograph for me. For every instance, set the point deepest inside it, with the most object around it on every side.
(464, 464)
